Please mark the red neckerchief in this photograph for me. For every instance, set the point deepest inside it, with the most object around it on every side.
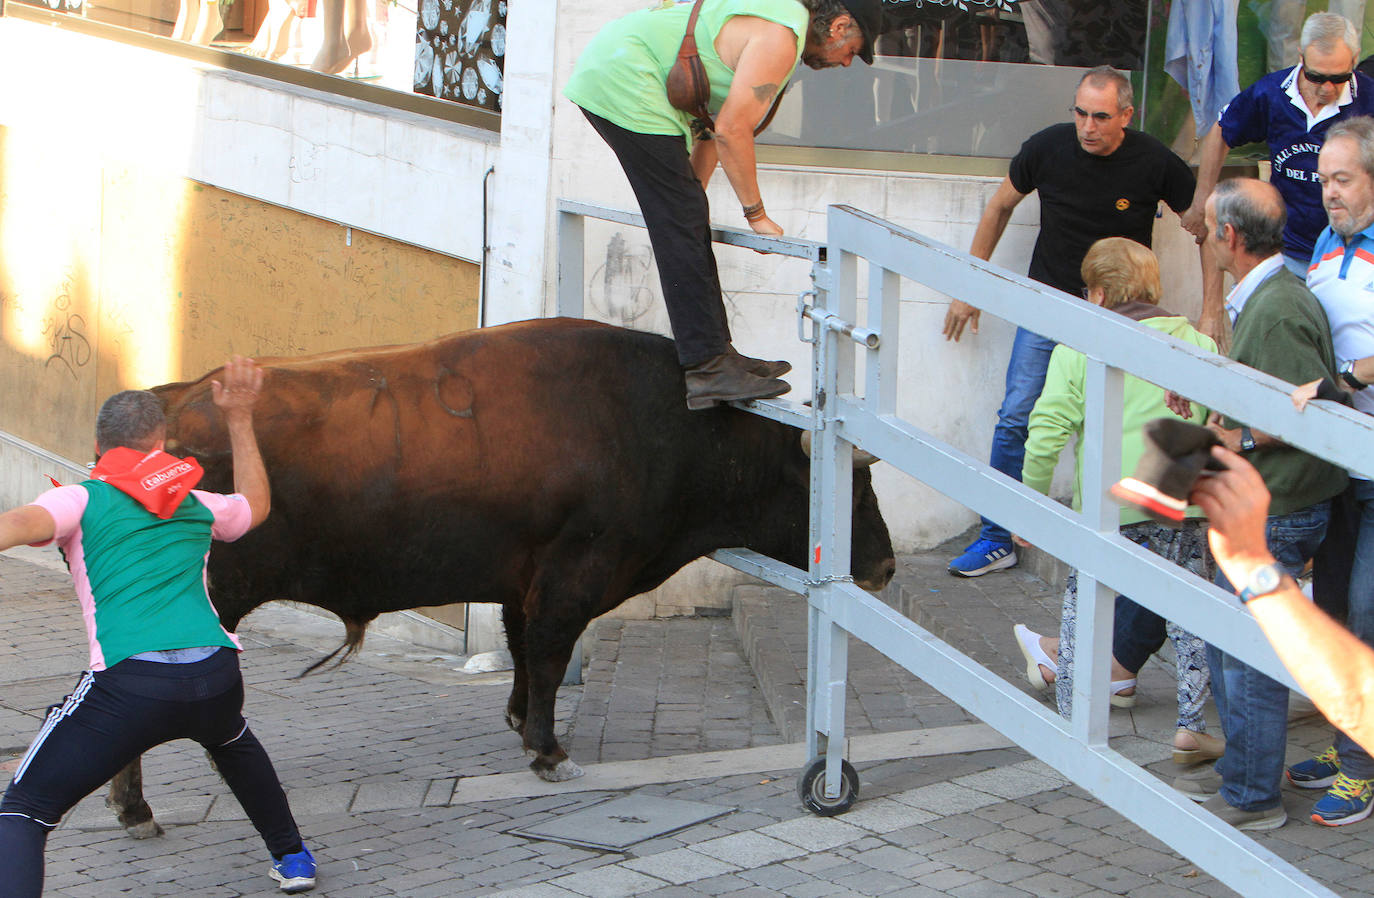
(156, 480)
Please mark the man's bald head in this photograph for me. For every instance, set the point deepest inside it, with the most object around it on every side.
(1254, 210)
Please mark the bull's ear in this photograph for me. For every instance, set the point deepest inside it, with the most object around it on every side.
(862, 459)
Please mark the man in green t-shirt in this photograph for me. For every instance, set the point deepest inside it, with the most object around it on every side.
(748, 49)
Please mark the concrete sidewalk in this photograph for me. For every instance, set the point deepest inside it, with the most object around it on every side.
(406, 781)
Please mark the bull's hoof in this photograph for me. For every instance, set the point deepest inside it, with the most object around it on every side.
(563, 771)
(148, 829)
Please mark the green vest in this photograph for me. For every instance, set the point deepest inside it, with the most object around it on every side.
(147, 575)
(621, 74)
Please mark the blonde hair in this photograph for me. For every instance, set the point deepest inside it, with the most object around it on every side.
(1125, 270)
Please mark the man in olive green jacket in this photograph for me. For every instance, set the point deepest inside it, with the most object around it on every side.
(1281, 329)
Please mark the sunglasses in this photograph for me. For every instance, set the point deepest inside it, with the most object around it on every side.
(1095, 116)
(1319, 78)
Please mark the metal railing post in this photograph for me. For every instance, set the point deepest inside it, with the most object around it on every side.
(571, 261)
(884, 309)
(1103, 391)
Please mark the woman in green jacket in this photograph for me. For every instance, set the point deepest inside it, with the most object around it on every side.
(1123, 276)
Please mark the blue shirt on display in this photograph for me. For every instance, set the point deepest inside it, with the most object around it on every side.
(1272, 110)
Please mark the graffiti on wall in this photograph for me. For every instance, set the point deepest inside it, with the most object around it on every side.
(460, 51)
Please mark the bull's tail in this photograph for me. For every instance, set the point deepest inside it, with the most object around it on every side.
(354, 631)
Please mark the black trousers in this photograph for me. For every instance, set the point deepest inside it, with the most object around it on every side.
(112, 717)
(674, 207)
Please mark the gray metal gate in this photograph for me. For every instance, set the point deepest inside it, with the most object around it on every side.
(848, 413)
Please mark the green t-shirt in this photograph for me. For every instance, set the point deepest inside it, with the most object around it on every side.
(622, 73)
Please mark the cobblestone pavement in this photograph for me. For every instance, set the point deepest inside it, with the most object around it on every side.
(406, 781)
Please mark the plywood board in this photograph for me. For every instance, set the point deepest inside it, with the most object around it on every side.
(115, 277)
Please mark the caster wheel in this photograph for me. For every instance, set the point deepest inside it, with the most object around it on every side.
(811, 789)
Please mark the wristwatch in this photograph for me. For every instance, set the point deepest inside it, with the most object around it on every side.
(1247, 439)
(1262, 581)
(1348, 375)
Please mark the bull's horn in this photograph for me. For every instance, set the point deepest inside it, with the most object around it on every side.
(862, 459)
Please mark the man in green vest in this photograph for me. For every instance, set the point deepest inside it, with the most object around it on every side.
(749, 49)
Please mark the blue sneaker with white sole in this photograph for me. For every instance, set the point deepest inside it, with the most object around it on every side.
(983, 556)
(1316, 773)
(294, 872)
(1347, 801)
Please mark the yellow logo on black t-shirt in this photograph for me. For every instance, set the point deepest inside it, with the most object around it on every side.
(1123, 204)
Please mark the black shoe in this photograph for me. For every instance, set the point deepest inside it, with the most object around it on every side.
(726, 378)
(760, 367)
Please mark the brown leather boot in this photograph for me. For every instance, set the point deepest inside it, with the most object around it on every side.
(725, 378)
(760, 367)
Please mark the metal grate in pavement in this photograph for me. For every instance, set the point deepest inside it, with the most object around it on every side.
(616, 825)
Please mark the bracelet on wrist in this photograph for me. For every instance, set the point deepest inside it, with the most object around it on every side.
(753, 212)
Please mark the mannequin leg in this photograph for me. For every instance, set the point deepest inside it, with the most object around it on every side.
(186, 20)
(208, 23)
(346, 35)
(274, 35)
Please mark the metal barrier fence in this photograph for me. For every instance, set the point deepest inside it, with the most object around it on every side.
(846, 413)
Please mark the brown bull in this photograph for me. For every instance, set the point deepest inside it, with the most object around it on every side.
(548, 466)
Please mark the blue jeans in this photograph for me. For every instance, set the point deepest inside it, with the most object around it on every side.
(1254, 707)
(1030, 359)
(1355, 761)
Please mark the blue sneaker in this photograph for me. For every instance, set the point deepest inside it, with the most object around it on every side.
(295, 872)
(1347, 801)
(983, 557)
(1316, 773)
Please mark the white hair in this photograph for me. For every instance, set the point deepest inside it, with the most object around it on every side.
(1324, 29)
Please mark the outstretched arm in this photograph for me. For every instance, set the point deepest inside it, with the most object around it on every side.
(990, 229)
(236, 395)
(25, 525)
(1211, 155)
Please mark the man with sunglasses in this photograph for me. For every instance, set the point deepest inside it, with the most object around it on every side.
(1096, 178)
(1290, 110)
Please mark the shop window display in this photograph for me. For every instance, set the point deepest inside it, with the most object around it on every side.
(952, 77)
(460, 50)
(974, 77)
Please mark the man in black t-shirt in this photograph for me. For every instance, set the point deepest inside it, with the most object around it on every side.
(1096, 178)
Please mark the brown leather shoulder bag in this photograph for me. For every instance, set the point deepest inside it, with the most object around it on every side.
(690, 90)
(688, 87)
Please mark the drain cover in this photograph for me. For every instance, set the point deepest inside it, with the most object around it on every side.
(616, 825)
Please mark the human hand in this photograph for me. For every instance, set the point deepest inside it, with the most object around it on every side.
(1229, 438)
(1304, 394)
(1236, 503)
(959, 315)
(240, 387)
(1020, 542)
(767, 227)
(1178, 405)
(1194, 222)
